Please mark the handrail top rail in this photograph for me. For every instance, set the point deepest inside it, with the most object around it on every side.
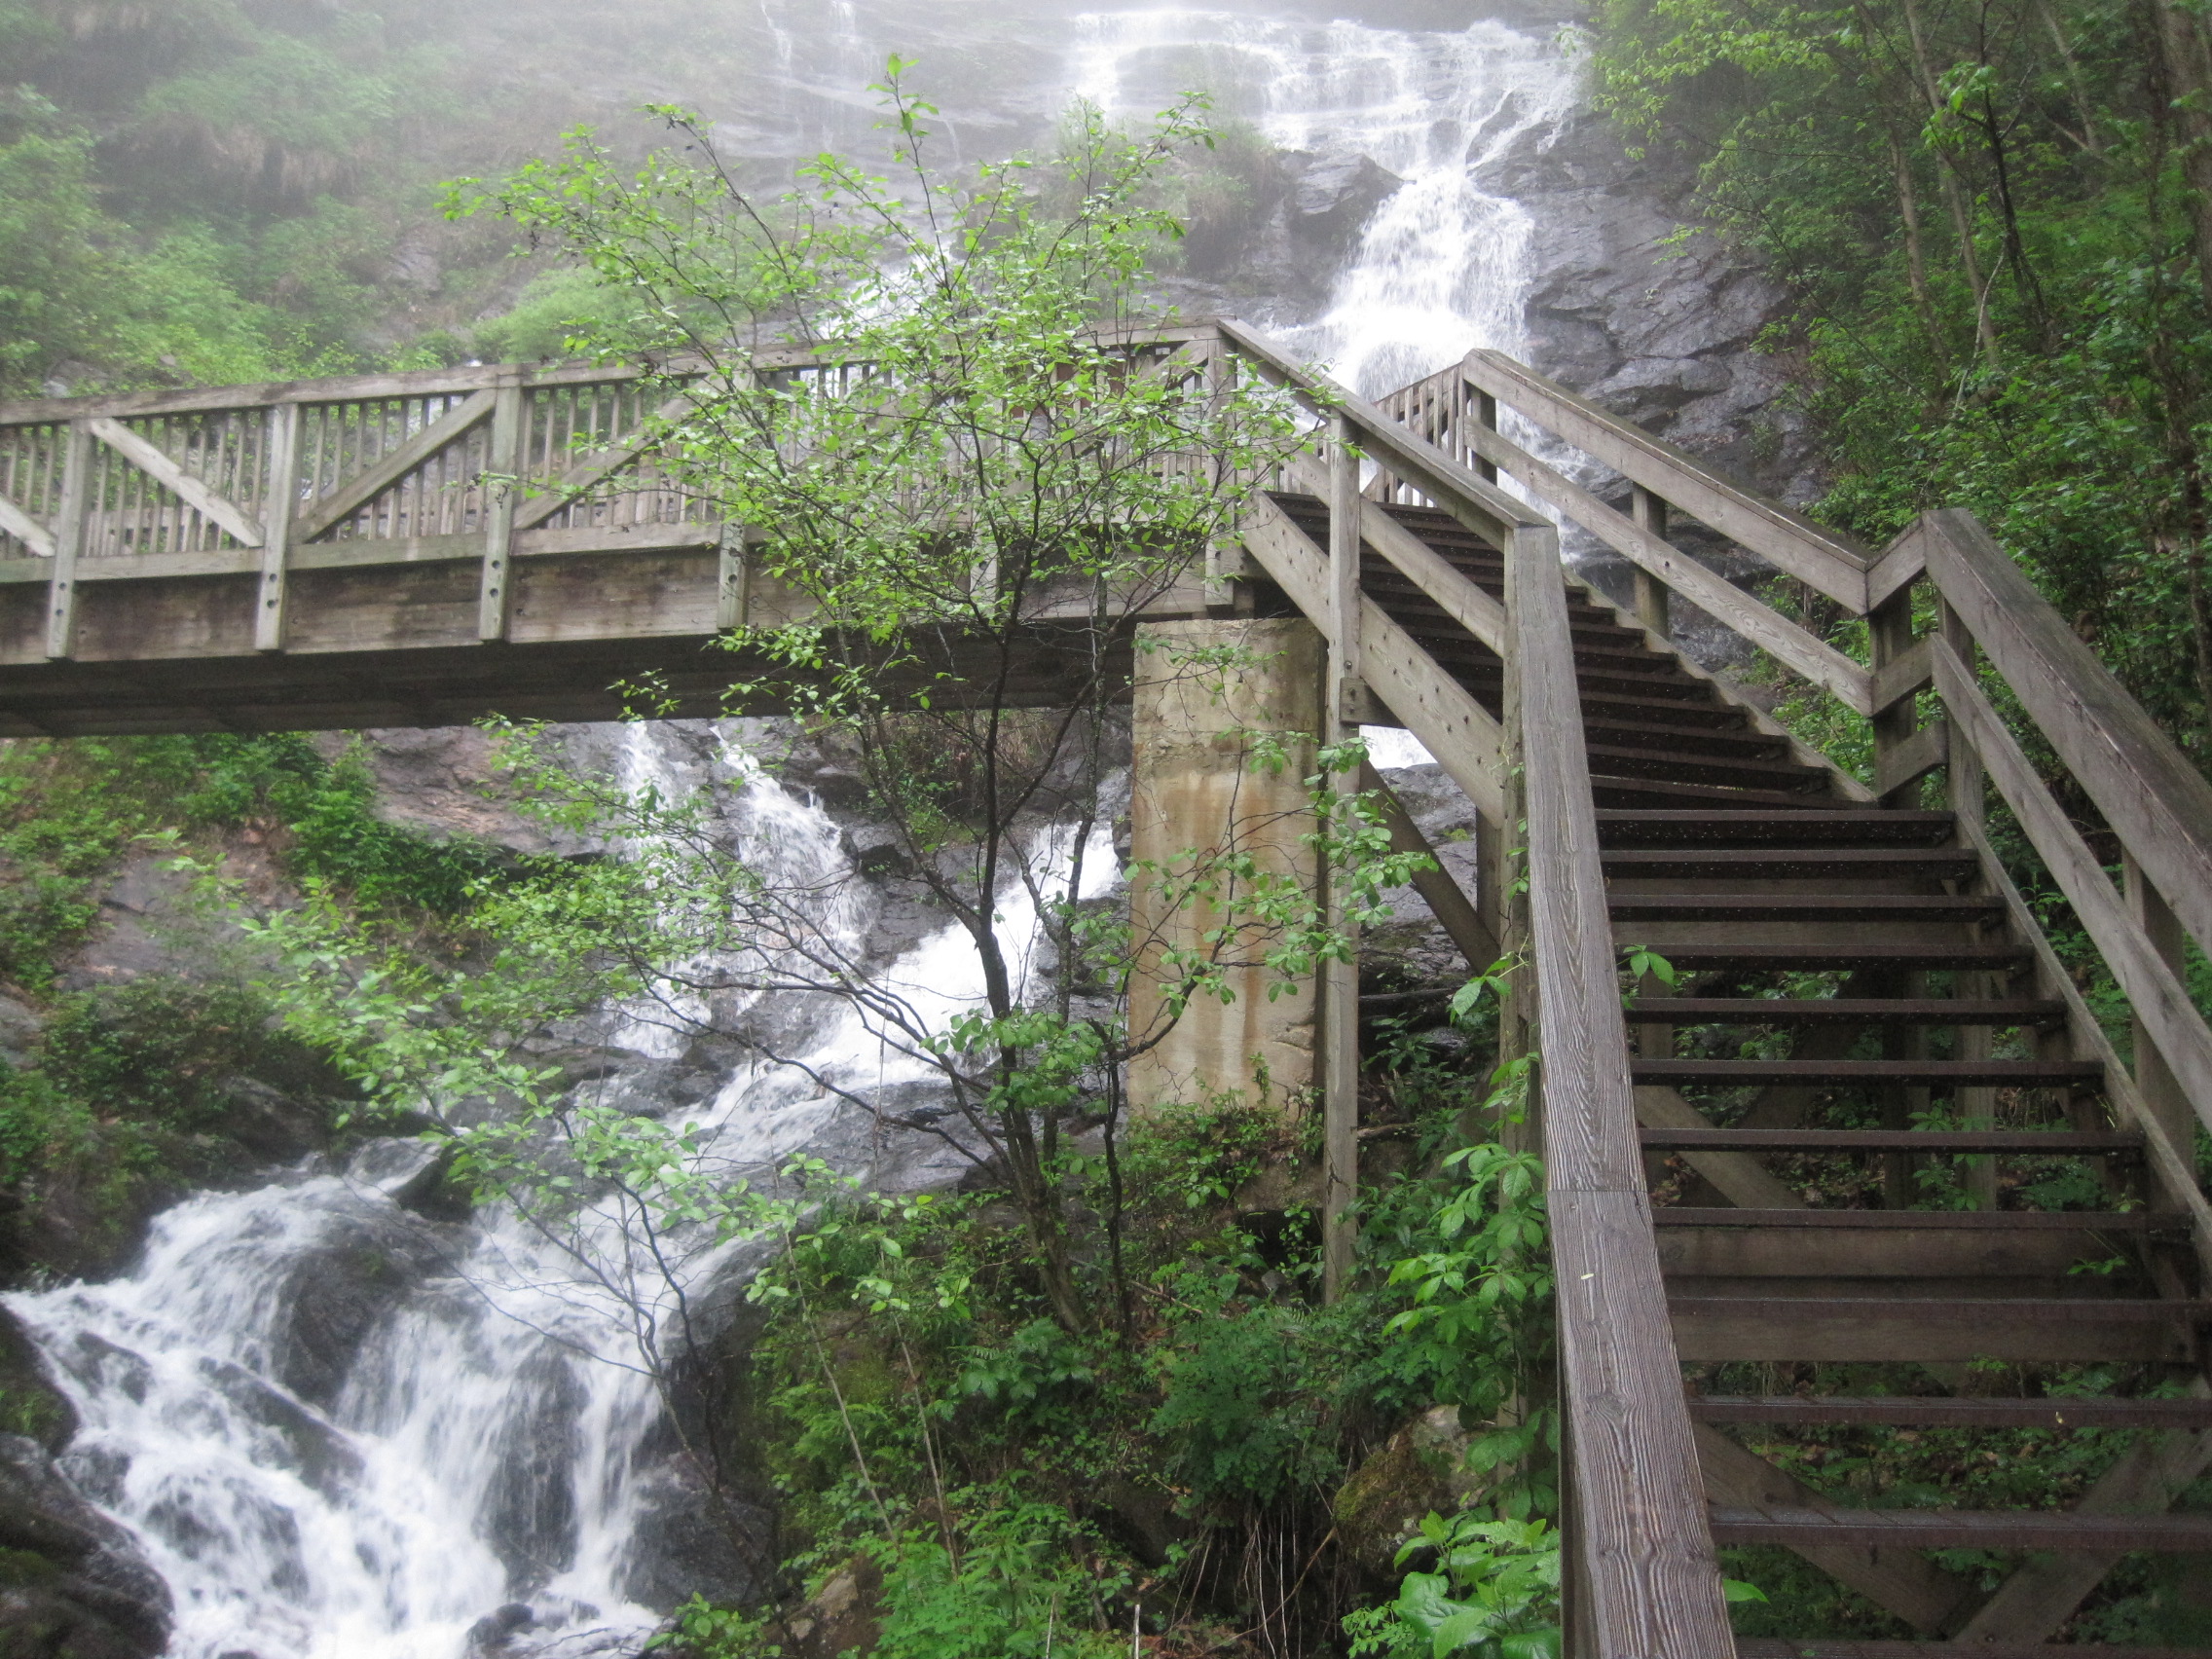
(434, 383)
(1832, 562)
(1420, 461)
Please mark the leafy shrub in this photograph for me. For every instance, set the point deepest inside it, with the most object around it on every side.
(1242, 1413)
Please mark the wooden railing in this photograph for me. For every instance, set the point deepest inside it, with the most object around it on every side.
(1642, 1576)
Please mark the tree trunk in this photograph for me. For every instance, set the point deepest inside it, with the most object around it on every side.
(2187, 66)
(1916, 257)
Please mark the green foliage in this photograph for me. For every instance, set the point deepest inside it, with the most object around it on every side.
(1244, 1412)
(1981, 215)
(1010, 1582)
(153, 1049)
(1495, 1594)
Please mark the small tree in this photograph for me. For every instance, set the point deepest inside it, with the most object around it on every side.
(970, 474)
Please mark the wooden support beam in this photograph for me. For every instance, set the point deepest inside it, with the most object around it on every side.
(1427, 702)
(1903, 1581)
(1740, 1178)
(1461, 920)
(15, 522)
(163, 470)
(1899, 768)
(1340, 978)
(278, 503)
(69, 543)
(494, 593)
(320, 516)
(2043, 1593)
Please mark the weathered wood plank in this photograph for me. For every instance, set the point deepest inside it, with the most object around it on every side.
(68, 543)
(1719, 598)
(1907, 1584)
(2158, 803)
(2173, 1166)
(1466, 603)
(1454, 913)
(2158, 998)
(1435, 708)
(282, 502)
(319, 516)
(495, 590)
(25, 528)
(1829, 561)
(1912, 760)
(1936, 1329)
(194, 492)
(1646, 1582)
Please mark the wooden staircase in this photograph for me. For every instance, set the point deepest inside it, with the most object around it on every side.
(1858, 1016)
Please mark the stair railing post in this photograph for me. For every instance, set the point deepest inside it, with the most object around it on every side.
(1963, 791)
(279, 505)
(1649, 513)
(2154, 1081)
(1890, 631)
(78, 461)
(494, 597)
(1340, 979)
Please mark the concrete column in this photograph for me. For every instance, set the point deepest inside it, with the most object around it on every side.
(1197, 787)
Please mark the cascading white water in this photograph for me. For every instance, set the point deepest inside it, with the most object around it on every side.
(489, 1438)
(1443, 264)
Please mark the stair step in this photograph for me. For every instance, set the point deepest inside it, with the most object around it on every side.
(1961, 1528)
(1756, 864)
(1821, 1647)
(1610, 790)
(1615, 736)
(1849, 1010)
(1836, 824)
(1930, 1074)
(1803, 907)
(1878, 1330)
(1905, 1411)
(1709, 713)
(1923, 1220)
(1678, 766)
(1902, 958)
(2031, 1143)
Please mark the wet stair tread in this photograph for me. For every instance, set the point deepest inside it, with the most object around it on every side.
(1899, 1411)
(1961, 1529)
(2031, 1142)
(1757, 863)
(1925, 1221)
(1691, 767)
(1613, 790)
(1862, 954)
(1805, 907)
(1994, 1073)
(1849, 1010)
(1615, 736)
(1822, 1647)
(1837, 822)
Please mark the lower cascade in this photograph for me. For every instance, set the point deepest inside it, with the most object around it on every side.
(343, 1419)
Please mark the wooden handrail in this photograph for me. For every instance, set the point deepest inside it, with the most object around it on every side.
(2158, 803)
(1826, 560)
(1481, 506)
(1646, 1579)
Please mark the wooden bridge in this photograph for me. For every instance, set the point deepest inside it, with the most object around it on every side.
(328, 554)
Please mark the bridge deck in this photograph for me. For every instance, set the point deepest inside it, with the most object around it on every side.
(417, 549)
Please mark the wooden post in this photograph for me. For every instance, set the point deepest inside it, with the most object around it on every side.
(1340, 981)
(2155, 1080)
(495, 598)
(69, 542)
(278, 506)
(1651, 514)
(1890, 626)
(1963, 791)
(1486, 414)
(733, 580)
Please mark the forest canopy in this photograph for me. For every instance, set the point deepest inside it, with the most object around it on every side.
(1992, 219)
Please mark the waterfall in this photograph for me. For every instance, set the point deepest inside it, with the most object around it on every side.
(492, 1438)
(1443, 264)
(486, 1437)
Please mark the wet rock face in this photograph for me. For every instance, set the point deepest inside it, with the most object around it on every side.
(338, 1292)
(1640, 310)
(72, 1585)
